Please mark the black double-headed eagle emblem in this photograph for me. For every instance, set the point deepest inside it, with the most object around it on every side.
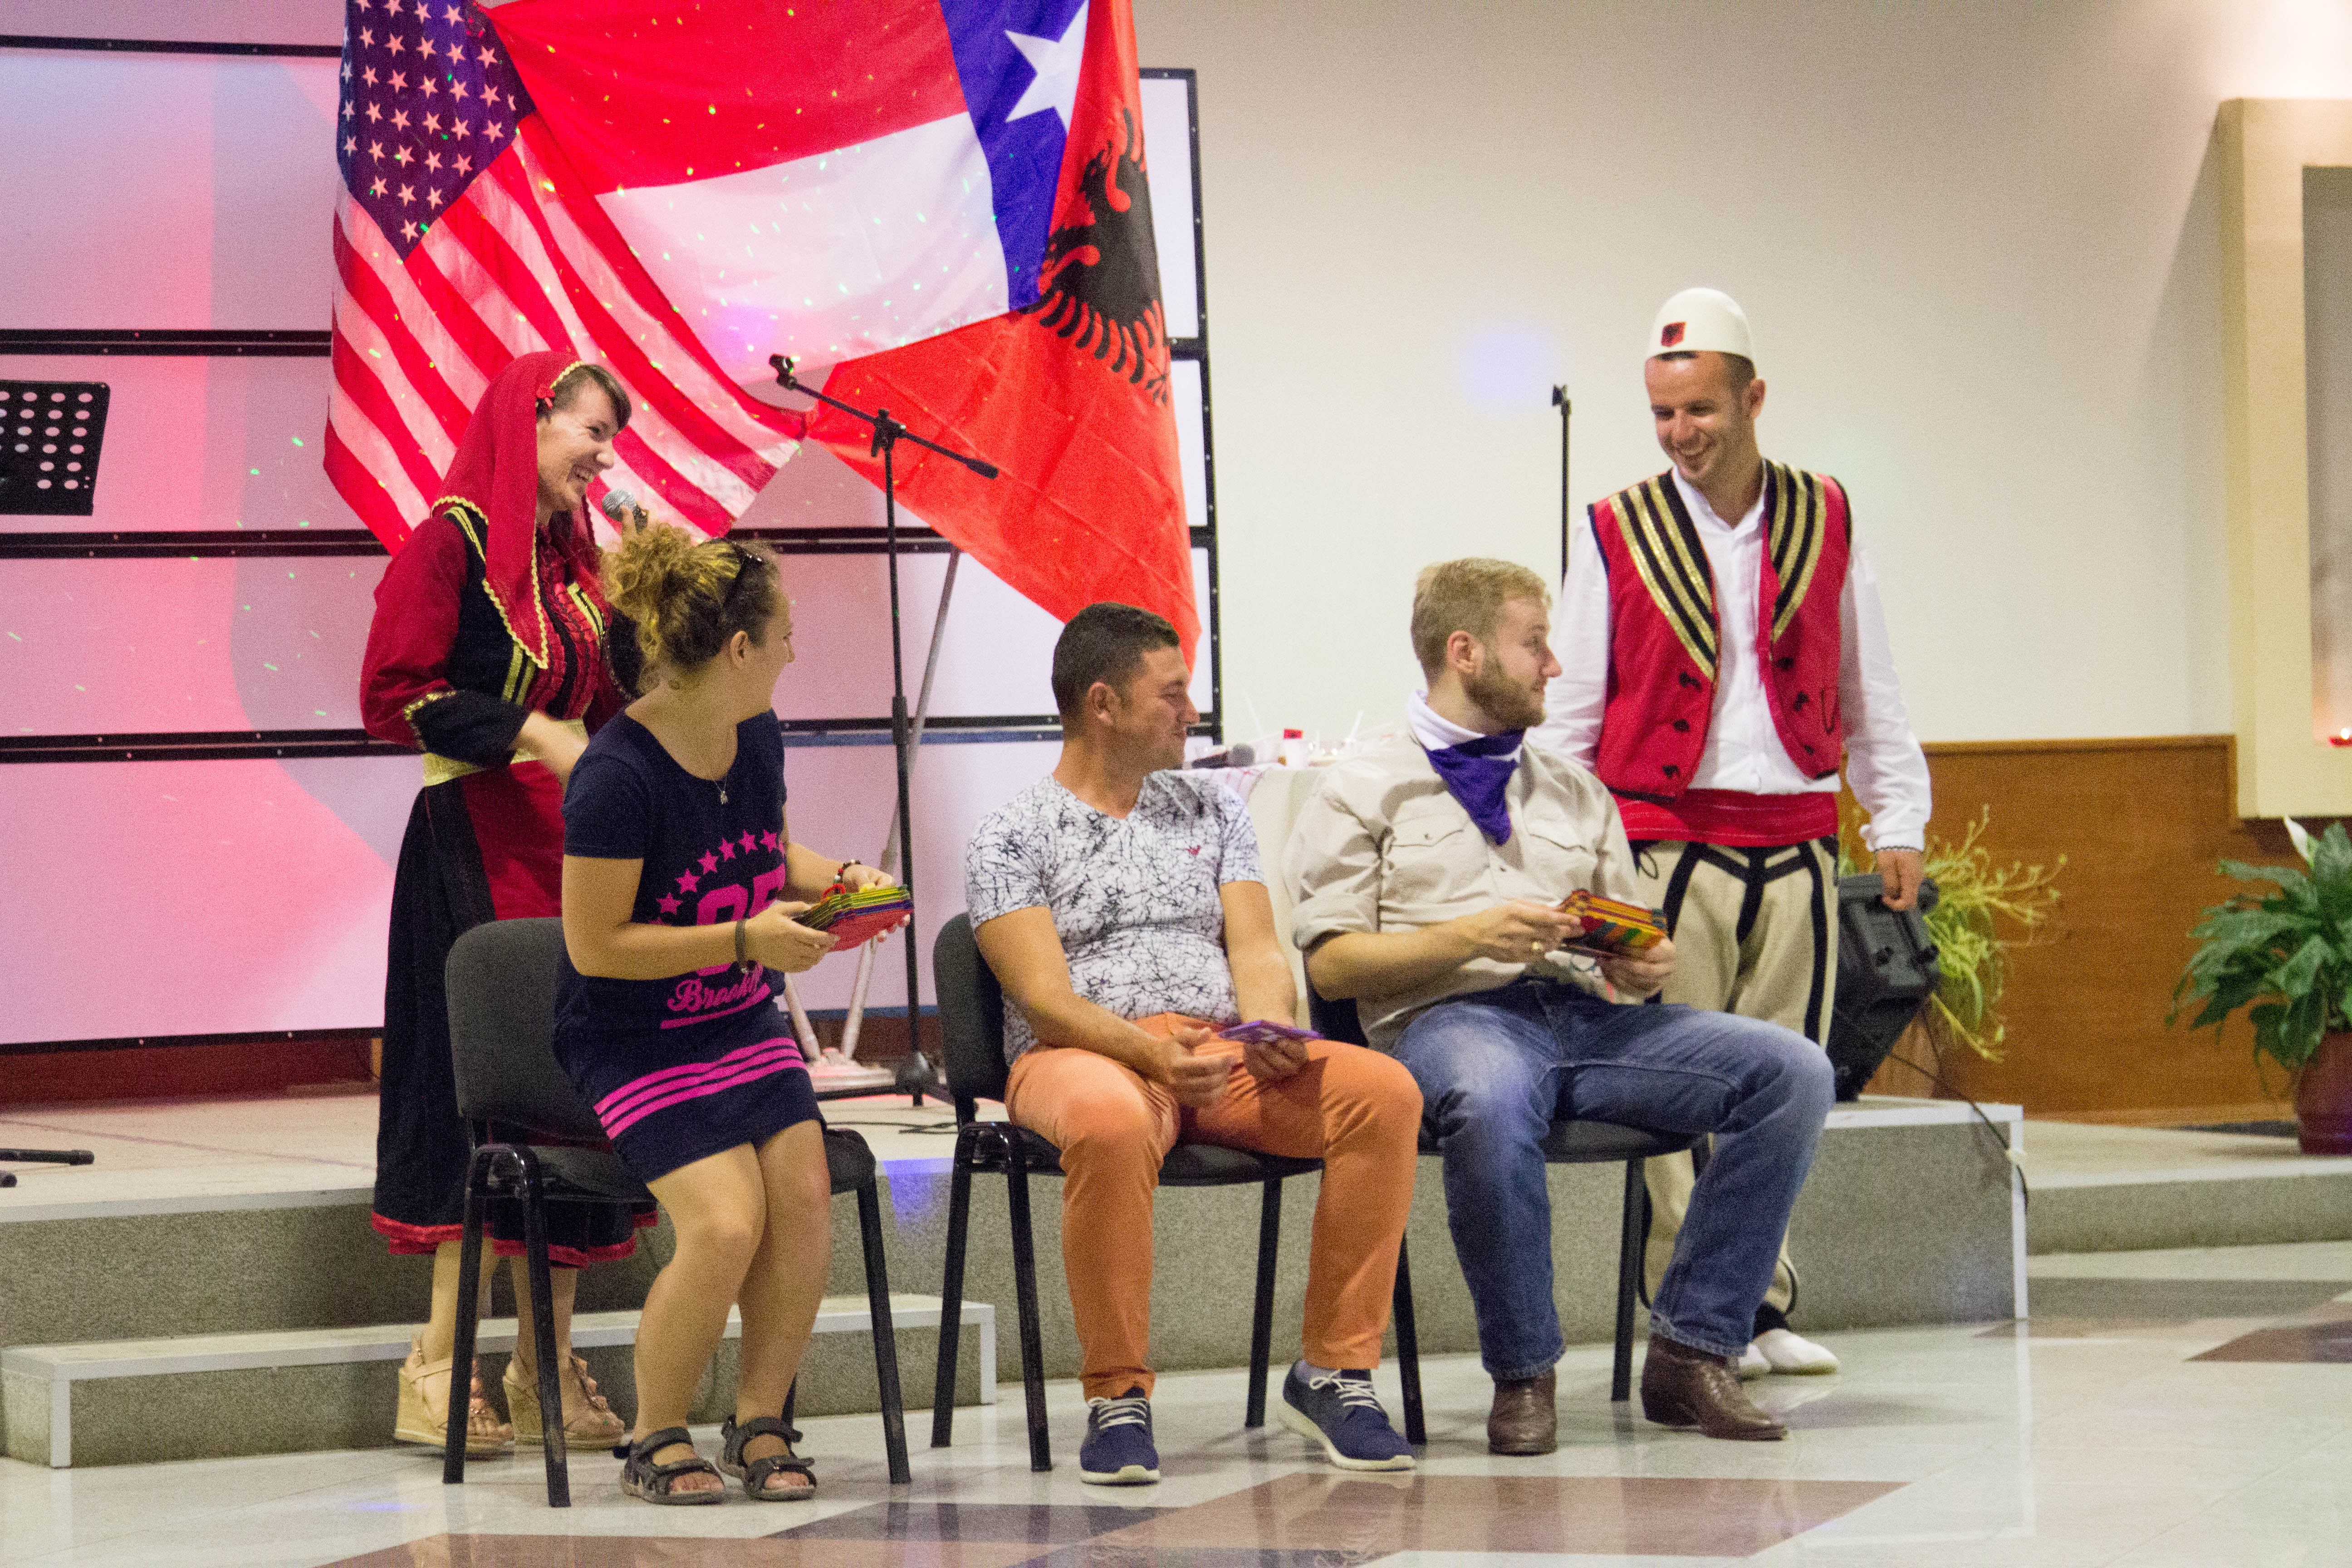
(1098, 284)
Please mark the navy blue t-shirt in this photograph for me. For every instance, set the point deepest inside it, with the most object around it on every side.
(706, 861)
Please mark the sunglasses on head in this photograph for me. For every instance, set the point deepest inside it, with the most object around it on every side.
(745, 562)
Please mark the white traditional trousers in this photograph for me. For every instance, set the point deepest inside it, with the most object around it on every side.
(1755, 933)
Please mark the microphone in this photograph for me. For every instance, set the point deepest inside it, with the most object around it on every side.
(624, 511)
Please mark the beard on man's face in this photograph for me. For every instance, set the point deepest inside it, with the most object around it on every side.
(1510, 703)
(1152, 744)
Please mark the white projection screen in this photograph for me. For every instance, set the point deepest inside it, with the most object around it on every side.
(195, 840)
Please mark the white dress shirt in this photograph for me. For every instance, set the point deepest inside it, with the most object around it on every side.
(1433, 729)
(1882, 760)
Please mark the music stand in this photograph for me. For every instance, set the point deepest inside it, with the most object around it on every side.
(50, 432)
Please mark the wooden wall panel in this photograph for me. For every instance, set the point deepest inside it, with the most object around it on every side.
(2141, 823)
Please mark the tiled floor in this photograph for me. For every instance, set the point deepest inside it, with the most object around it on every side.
(2185, 1409)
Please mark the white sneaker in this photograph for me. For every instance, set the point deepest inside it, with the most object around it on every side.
(1752, 1364)
(1790, 1353)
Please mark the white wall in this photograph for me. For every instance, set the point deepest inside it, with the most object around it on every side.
(1977, 242)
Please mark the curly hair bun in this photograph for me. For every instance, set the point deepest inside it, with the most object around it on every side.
(676, 588)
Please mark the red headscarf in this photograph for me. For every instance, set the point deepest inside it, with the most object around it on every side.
(496, 475)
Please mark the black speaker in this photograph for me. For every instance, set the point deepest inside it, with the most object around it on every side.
(1886, 972)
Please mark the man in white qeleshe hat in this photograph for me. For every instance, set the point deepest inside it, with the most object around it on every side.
(1724, 651)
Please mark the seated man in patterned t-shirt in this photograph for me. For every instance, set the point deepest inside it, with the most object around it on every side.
(1121, 904)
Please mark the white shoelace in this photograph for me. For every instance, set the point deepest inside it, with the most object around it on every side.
(1354, 1392)
(1134, 1411)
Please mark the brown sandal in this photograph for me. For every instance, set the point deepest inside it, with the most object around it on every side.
(596, 1427)
(486, 1435)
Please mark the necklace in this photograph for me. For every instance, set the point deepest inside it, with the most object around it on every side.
(722, 784)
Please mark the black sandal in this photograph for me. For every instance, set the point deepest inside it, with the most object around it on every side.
(755, 1472)
(643, 1479)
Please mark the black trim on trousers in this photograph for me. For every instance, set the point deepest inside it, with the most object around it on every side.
(1824, 953)
(1756, 871)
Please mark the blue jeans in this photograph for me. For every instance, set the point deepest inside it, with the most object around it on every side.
(1496, 1069)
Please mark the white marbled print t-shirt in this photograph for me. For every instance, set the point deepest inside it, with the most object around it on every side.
(1134, 899)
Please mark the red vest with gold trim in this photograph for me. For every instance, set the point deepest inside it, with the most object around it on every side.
(1663, 630)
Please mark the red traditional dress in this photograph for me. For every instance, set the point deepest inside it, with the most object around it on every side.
(482, 619)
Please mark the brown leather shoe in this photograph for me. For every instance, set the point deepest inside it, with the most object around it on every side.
(1525, 1418)
(1685, 1387)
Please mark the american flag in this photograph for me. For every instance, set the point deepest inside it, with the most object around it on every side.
(463, 239)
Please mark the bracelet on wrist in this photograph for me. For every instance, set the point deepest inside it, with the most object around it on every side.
(738, 940)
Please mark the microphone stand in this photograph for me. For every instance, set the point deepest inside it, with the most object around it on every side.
(1560, 401)
(916, 1076)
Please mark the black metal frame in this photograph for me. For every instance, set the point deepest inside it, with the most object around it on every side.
(311, 343)
(515, 1168)
(169, 47)
(1196, 349)
(518, 1163)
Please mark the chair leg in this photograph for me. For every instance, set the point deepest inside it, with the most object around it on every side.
(1632, 1238)
(469, 1297)
(1408, 1349)
(542, 1332)
(1269, 1235)
(1024, 1293)
(943, 1383)
(885, 1342)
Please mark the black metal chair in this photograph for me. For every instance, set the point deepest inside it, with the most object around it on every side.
(971, 1020)
(1570, 1143)
(550, 1148)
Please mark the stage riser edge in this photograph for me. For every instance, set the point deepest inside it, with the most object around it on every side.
(1897, 1224)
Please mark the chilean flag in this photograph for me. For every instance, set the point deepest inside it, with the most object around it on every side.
(944, 199)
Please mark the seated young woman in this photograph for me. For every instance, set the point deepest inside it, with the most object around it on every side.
(680, 883)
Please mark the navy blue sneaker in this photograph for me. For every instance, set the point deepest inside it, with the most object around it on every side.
(1118, 1451)
(1340, 1410)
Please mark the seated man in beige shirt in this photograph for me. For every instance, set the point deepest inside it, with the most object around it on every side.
(1427, 874)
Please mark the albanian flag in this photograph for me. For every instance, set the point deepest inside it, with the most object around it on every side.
(1067, 393)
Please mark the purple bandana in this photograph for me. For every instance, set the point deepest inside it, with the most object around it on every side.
(1476, 773)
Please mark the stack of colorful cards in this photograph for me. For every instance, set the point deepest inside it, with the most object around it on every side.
(860, 916)
(1611, 928)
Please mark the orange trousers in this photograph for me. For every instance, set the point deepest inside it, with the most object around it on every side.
(1356, 1109)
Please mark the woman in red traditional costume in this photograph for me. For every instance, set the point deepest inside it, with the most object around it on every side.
(490, 653)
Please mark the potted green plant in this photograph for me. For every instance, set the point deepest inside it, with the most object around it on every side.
(2286, 959)
(1982, 910)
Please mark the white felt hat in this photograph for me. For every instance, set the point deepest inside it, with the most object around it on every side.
(1700, 319)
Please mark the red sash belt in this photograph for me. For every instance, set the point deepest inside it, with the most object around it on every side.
(1731, 816)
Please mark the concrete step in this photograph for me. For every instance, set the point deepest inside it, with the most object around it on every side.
(214, 1395)
(2123, 1189)
(262, 1262)
(1910, 1216)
